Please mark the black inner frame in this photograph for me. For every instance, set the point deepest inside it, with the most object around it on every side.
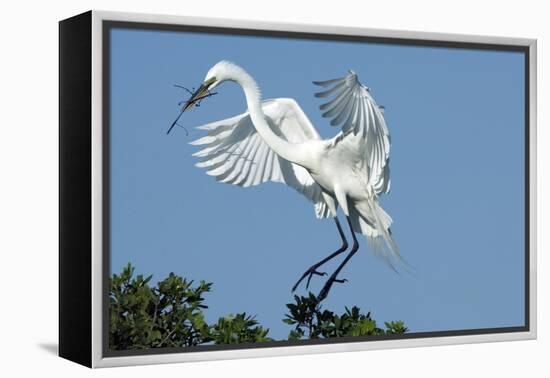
(107, 26)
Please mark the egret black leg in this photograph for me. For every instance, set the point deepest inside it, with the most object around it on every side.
(333, 278)
(313, 269)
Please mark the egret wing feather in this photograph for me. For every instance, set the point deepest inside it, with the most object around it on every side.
(353, 108)
(233, 152)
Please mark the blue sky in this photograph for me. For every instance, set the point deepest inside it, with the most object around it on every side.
(457, 164)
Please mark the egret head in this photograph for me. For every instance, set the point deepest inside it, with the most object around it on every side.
(220, 72)
(223, 71)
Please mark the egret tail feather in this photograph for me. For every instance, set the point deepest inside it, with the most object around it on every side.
(370, 219)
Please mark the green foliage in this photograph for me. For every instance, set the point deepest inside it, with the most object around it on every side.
(168, 315)
(171, 314)
(237, 329)
(310, 321)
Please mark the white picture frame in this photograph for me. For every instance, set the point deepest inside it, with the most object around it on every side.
(82, 255)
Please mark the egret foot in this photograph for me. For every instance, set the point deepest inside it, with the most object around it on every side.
(309, 273)
(328, 285)
(332, 279)
(313, 270)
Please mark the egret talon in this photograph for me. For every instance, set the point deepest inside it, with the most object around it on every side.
(325, 290)
(343, 280)
(311, 275)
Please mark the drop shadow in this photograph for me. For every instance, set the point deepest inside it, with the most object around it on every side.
(51, 348)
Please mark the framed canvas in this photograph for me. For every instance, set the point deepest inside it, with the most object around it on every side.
(236, 189)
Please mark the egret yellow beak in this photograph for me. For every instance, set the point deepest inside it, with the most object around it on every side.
(199, 94)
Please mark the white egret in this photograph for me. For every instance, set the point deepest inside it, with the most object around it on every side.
(275, 141)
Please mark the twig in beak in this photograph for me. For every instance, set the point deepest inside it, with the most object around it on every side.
(176, 123)
(188, 104)
(182, 87)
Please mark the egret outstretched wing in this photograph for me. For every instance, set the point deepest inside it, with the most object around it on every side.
(352, 107)
(235, 153)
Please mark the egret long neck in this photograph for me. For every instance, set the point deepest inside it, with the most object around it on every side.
(288, 151)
